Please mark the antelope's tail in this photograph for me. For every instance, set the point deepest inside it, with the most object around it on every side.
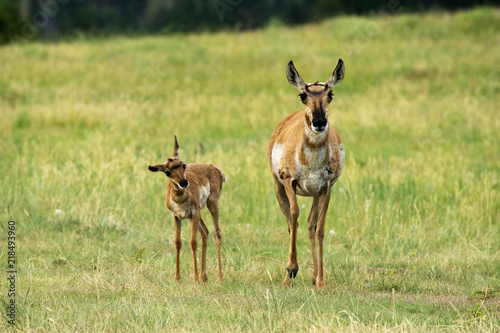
(223, 175)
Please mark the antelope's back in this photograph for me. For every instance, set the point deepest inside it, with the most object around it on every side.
(207, 174)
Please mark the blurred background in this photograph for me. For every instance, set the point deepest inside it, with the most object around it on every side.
(412, 232)
(53, 19)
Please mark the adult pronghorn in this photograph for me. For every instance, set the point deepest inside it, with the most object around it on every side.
(306, 156)
(190, 188)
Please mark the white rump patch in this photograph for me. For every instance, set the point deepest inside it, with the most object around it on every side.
(222, 173)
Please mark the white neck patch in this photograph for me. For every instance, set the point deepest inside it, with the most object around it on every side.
(314, 136)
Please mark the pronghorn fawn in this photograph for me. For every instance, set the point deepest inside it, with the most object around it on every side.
(190, 188)
(306, 156)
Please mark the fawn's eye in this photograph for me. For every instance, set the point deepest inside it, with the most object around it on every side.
(168, 173)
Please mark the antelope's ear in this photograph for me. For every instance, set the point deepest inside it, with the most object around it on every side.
(176, 149)
(155, 168)
(294, 77)
(337, 75)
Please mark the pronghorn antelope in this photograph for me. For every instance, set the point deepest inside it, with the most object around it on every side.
(306, 156)
(189, 189)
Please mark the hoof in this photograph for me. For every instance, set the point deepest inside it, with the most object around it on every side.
(204, 278)
(288, 281)
(320, 286)
(292, 273)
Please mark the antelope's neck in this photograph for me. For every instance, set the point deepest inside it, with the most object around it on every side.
(314, 151)
(178, 195)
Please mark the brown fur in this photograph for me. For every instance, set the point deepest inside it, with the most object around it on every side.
(205, 183)
(307, 162)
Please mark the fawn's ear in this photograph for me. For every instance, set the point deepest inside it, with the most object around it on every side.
(176, 149)
(155, 168)
(337, 75)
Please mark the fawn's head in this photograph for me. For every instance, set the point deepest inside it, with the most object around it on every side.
(174, 169)
(316, 96)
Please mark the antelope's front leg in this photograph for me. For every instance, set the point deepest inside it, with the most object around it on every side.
(204, 238)
(194, 244)
(324, 201)
(312, 222)
(292, 265)
(178, 246)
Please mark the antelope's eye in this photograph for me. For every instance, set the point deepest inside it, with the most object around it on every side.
(303, 97)
(168, 173)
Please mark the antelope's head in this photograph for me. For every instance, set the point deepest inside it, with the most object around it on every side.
(174, 169)
(316, 96)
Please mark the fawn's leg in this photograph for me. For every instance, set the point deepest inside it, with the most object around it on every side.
(204, 238)
(213, 207)
(194, 244)
(178, 246)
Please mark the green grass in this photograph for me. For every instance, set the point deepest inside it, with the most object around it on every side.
(413, 233)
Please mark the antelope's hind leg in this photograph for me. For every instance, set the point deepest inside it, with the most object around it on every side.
(195, 221)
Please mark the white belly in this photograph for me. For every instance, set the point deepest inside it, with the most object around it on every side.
(314, 182)
(312, 179)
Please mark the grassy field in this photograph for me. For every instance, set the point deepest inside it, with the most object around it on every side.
(413, 230)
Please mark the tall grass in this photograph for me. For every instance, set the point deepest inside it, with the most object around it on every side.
(413, 227)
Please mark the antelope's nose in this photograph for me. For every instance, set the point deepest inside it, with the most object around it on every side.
(183, 183)
(319, 124)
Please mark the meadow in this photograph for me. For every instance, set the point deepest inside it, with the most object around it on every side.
(413, 230)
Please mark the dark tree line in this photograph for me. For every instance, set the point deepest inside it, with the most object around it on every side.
(29, 19)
